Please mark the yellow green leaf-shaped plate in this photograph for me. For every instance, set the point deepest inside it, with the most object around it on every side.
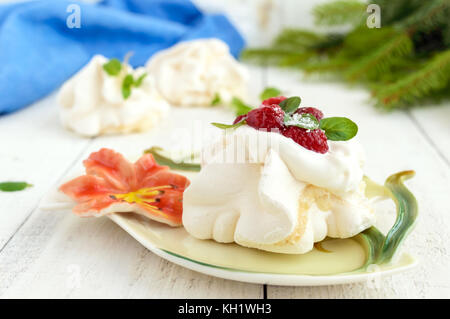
(333, 261)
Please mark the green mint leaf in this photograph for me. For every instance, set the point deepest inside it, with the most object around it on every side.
(240, 108)
(140, 79)
(216, 100)
(339, 128)
(13, 186)
(227, 126)
(268, 93)
(112, 67)
(126, 86)
(305, 120)
(291, 104)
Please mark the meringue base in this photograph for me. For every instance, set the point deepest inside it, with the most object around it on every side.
(316, 221)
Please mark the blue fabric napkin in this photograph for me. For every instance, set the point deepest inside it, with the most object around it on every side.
(38, 51)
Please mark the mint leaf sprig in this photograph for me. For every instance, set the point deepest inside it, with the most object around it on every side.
(129, 82)
(114, 68)
(335, 128)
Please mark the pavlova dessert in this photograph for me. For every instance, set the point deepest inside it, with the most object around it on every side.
(280, 179)
(195, 73)
(108, 96)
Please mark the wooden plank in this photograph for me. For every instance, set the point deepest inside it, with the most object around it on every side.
(36, 149)
(434, 122)
(392, 143)
(61, 255)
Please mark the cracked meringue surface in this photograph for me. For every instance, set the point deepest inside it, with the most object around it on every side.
(91, 102)
(262, 190)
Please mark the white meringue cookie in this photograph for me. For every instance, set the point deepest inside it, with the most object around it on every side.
(278, 196)
(91, 102)
(191, 73)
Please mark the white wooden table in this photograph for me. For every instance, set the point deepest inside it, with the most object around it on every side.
(55, 254)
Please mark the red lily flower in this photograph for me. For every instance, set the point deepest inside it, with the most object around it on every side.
(113, 185)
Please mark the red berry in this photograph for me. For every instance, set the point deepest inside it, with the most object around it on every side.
(311, 110)
(312, 140)
(267, 117)
(274, 100)
(239, 118)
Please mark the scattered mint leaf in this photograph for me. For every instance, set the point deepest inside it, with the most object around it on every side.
(291, 104)
(140, 79)
(216, 100)
(240, 108)
(268, 93)
(227, 126)
(112, 67)
(126, 86)
(305, 120)
(339, 128)
(13, 186)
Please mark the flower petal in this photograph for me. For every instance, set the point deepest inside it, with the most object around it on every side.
(94, 206)
(166, 177)
(168, 207)
(113, 167)
(85, 187)
(146, 166)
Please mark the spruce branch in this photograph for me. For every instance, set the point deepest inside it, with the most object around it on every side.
(381, 58)
(405, 62)
(432, 77)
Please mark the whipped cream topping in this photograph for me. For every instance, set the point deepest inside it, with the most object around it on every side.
(263, 190)
(91, 102)
(191, 73)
